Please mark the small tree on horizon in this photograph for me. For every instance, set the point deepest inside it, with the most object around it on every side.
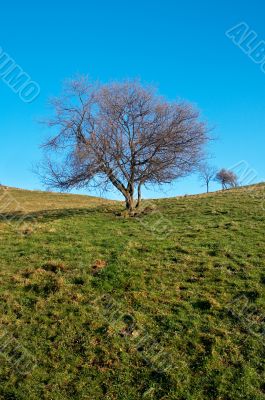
(207, 174)
(226, 178)
(122, 134)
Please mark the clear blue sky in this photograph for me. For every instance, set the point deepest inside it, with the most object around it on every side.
(180, 46)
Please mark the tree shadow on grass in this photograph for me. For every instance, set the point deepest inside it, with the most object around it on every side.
(51, 215)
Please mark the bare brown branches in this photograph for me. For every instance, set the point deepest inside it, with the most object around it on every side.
(122, 133)
(227, 178)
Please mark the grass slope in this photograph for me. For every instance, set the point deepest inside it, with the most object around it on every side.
(167, 305)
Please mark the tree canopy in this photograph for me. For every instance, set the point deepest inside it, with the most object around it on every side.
(120, 133)
(227, 178)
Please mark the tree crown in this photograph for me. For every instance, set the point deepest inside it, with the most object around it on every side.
(120, 133)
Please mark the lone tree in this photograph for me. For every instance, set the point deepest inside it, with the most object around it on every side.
(227, 178)
(207, 174)
(120, 133)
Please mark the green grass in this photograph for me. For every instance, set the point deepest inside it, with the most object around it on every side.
(167, 305)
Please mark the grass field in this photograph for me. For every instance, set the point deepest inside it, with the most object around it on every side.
(167, 305)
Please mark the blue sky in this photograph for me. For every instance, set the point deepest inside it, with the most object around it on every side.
(179, 46)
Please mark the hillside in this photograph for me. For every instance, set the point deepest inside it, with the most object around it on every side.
(166, 305)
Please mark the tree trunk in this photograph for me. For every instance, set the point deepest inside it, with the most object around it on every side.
(129, 197)
(207, 185)
(139, 198)
(129, 203)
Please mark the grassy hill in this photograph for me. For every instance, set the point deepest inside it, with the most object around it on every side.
(167, 305)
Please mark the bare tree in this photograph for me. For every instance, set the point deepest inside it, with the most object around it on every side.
(227, 178)
(120, 133)
(207, 174)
